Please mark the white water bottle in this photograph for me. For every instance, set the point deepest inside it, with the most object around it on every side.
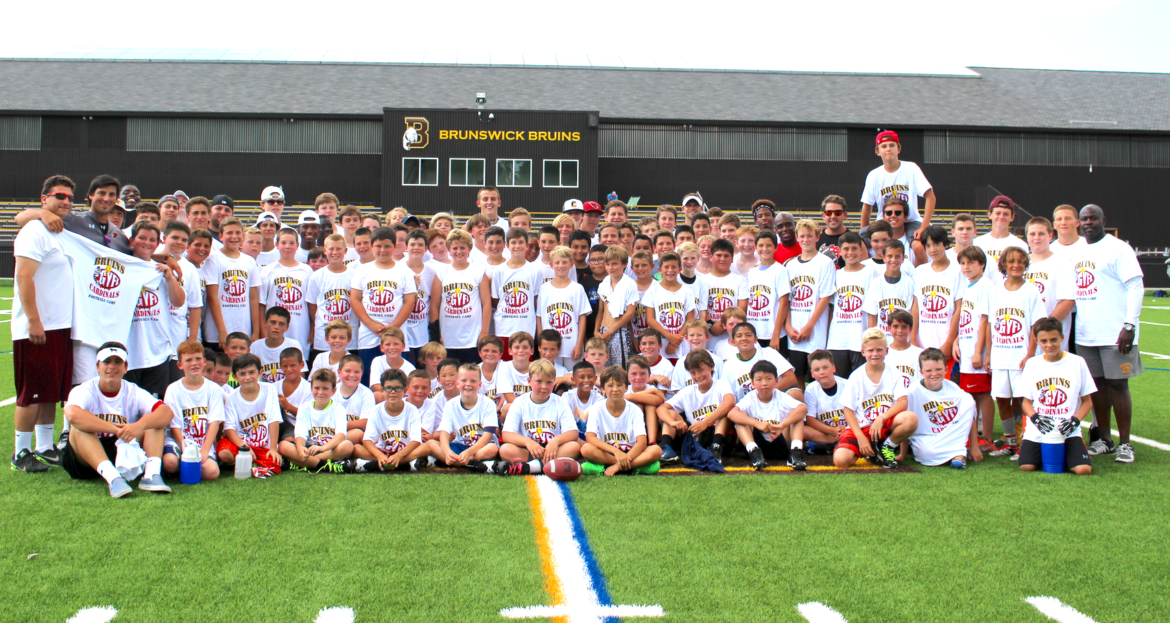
(244, 463)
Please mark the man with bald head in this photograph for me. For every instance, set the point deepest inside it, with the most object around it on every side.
(1104, 282)
(786, 230)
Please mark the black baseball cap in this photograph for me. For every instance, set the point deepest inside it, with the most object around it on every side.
(223, 200)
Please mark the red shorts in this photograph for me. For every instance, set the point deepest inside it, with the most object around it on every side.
(506, 355)
(950, 368)
(259, 455)
(975, 382)
(43, 372)
(849, 442)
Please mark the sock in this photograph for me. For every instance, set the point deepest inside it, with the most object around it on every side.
(719, 439)
(153, 467)
(797, 444)
(665, 440)
(108, 471)
(430, 461)
(361, 463)
(750, 446)
(534, 465)
(891, 444)
(489, 464)
(44, 436)
(64, 425)
(23, 441)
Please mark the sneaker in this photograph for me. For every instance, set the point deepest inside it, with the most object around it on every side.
(986, 446)
(757, 458)
(120, 488)
(590, 468)
(27, 462)
(478, 467)
(1016, 456)
(154, 484)
(418, 465)
(63, 441)
(717, 452)
(350, 466)
(1005, 450)
(330, 467)
(52, 456)
(669, 455)
(293, 467)
(1102, 446)
(796, 459)
(889, 456)
(648, 470)
(1124, 453)
(959, 462)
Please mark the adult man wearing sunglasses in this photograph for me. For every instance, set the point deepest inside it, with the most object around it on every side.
(833, 212)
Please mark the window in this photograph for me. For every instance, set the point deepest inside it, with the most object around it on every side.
(420, 171)
(513, 172)
(560, 173)
(467, 172)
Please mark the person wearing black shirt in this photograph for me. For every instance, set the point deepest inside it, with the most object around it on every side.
(833, 211)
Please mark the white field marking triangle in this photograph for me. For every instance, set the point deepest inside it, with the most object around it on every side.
(1054, 609)
(101, 614)
(817, 612)
(334, 615)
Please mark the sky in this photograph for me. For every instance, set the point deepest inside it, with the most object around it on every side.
(883, 37)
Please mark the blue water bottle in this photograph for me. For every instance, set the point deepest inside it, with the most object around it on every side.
(190, 467)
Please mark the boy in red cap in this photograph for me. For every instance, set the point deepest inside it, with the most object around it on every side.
(1001, 212)
(898, 179)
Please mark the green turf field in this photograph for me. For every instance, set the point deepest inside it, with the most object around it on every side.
(936, 545)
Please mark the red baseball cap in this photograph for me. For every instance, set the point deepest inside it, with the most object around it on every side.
(1002, 201)
(593, 206)
(888, 135)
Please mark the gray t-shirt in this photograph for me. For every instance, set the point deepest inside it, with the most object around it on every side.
(85, 224)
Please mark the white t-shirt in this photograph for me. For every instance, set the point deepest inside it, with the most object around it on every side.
(575, 404)
(808, 283)
(235, 278)
(149, 342)
(774, 411)
(1056, 389)
(906, 363)
(54, 300)
(429, 415)
(680, 378)
(766, 286)
(883, 298)
(195, 410)
(622, 431)
(329, 291)
(250, 420)
(849, 321)
(879, 268)
(1047, 275)
(540, 422)
(618, 298)
(382, 292)
(868, 400)
(944, 422)
(738, 373)
(303, 392)
(270, 371)
(548, 274)
(638, 325)
(993, 248)
(286, 286)
(271, 257)
(696, 405)
(516, 290)
(1097, 284)
(907, 183)
(1010, 316)
(319, 426)
(670, 309)
(828, 409)
(322, 363)
(509, 380)
(699, 289)
(467, 425)
(130, 403)
(415, 328)
(380, 365)
(561, 309)
(193, 287)
(937, 294)
(358, 406)
(723, 293)
(392, 433)
(970, 316)
(663, 368)
(490, 387)
(461, 311)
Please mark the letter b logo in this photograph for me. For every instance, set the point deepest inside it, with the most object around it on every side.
(416, 135)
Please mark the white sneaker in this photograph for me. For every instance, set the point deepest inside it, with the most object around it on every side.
(1124, 453)
(1100, 447)
(154, 483)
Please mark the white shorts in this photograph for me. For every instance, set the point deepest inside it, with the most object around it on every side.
(84, 362)
(1007, 384)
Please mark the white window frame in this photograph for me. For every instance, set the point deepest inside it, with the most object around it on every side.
(561, 171)
(451, 171)
(438, 172)
(513, 160)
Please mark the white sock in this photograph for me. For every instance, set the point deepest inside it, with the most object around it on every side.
(362, 463)
(153, 467)
(23, 441)
(108, 471)
(490, 465)
(44, 436)
(430, 461)
(64, 424)
(750, 446)
(797, 444)
(534, 465)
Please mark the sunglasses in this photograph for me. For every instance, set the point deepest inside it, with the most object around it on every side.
(61, 196)
(274, 202)
(834, 213)
(894, 212)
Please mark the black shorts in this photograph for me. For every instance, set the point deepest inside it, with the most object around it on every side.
(1075, 453)
(78, 468)
(705, 439)
(783, 350)
(800, 366)
(847, 361)
(776, 450)
(287, 431)
(154, 379)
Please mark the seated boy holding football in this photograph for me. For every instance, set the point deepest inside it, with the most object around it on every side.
(540, 426)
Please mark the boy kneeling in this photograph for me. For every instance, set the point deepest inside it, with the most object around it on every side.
(947, 432)
(765, 418)
(549, 427)
(393, 435)
(1053, 386)
(615, 436)
(875, 408)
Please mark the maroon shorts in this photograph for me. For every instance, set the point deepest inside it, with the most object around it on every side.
(506, 355)
(975, 383)
(849, 442)
(43, 372)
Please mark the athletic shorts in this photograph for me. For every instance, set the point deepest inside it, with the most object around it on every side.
(1075, 453)
(847, 361)
(78, 469)
(1007, 384)
(774, 450)
(975, 383)
(43, 372)
(259, 455)
(849, 442)
(1108, 362)
(287, 431)
(84, 363)
(800, 365)
(154, 379)
(458, 448)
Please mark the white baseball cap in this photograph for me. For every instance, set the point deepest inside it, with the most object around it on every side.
(694, 197)
(573, 204)
(272, 190)
(111, 351)
(266, 217)
(308, 216)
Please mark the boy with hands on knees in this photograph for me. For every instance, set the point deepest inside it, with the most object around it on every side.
(393, 435)
(540, 426)
(320, 442)
(615, 436)
(766, 417)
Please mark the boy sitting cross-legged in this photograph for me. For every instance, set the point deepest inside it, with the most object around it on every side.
(766, 417)
(294, 390)
(874, 400)
(393, 436)
(826, 417)
(320, 443)
(615, 437)
(540, 426)
(354, 398)
(198, 407)
(703, 406)
(585, 394)
(468, 426)
(252, 417)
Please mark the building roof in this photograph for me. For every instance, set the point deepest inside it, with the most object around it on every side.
(993, 98)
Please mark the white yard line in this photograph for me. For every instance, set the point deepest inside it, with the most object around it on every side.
(334, 615)
(1142, 440)
(1156, 324)
(1155, 355)
(94, 615)
(817, 612)
(1054, 609)
(10, 401)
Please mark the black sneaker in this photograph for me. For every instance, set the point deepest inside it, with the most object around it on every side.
(27, 462)
(796, 459)
(419, 464)
(889, 456)
(63, 440)
(478, 467)
(717, 452)
(757, 458)
(515, 469)
(52, 456)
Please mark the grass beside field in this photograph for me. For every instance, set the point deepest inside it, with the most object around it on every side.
(931, 546)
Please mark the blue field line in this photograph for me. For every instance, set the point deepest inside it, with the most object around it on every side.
(582, 538)
(1158, 369)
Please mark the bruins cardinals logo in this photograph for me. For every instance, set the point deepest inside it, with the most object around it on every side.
(1039, 285)
(147, 299)
(943, 414)
(964, 318)
(106, 277)
(1007, 326)
(1085, 278)
(671, 318)
(560, 319)
(934, 302)
(802, 293)
(458, 298)
(289, 294)
(758, 300)
(515, 297)
(1052, 396)
(234, 286)
(337, 303)
(420, 306)
(380, 295)
(719, 303)
(848, 301)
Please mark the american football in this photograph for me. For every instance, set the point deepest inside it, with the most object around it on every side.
(562, 470)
